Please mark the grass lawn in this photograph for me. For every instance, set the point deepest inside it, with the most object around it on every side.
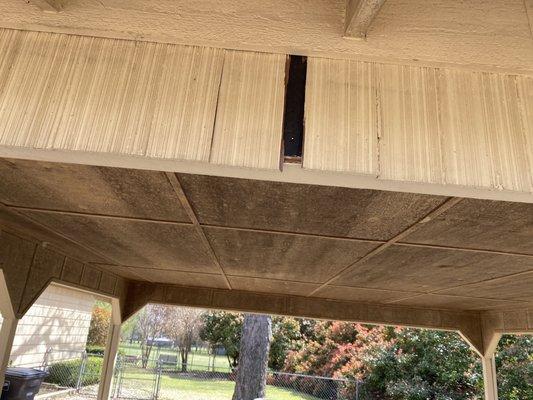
(140, 383)
(174, 386)
(193, 389)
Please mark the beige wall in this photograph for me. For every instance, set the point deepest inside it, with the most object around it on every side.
(59, 319)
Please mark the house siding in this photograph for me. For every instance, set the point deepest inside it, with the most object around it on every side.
(59, 320)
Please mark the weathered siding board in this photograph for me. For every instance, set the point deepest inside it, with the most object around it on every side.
(341, 124)
(249, 121)
(525, 95)
(103, 95)
(66, 92)
(394, 122)
(466, 148)
(192, 79)
(410, 147)
(485, 144)
(431, 125)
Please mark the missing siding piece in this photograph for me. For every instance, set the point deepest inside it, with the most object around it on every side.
(293, 117)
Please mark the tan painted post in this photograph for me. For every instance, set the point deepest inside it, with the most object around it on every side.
(489, 377)
(485, 346)
(110, 355)
(8, 330)
(7, 334)
(488, 360)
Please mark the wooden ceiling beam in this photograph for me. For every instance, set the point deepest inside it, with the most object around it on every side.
(58, 5)
(359, 16)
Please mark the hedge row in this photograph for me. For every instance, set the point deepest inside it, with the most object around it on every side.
(66, 373)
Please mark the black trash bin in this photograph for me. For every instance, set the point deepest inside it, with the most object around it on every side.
(22, 383)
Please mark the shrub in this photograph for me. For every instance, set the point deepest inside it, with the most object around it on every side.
(100, 350)
(96, 350)
(99, 328)
(66, 373)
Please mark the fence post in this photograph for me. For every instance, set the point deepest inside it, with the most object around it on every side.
(82, 370)
(119, 375)
(158, 381)
(357, 389)
(46, 357)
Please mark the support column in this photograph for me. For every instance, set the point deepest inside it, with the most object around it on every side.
(488, 360)
(489, 377)
(8, 330)
(484, 343)
(110, 354)
(7, 334)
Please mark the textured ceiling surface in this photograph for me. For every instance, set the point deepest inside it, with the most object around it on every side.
(328, 242)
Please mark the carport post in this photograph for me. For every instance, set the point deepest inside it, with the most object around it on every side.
(110, 354)
(9, 328)
(489, 377)
(488, 361)
(7, 334)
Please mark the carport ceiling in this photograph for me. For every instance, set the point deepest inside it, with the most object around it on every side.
(329, 242)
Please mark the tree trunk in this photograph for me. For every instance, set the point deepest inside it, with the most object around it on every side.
(146, 349)
(250, 382)
(184, 359)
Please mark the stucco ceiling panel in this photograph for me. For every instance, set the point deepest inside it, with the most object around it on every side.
(88, 189)
(361, 294)
(519, 287)
(481, 224)
(428, 269)
(271, 285)
(134, 243)
(333, 211)
(283, 256)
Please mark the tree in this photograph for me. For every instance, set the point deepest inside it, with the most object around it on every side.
(183, 327)
(250, 382)
(99, 328)
(514, 363)
(286, 336)
(151, 325)
(423, 364)
(224, 329)
(394, 363)
(129, 328)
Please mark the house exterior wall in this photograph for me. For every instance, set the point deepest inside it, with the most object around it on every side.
(59, 320)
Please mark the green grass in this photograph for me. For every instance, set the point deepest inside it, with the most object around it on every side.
(189, 389)
(199, 358)
(175, 387)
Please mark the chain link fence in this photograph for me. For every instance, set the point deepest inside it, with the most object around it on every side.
(75, 375)
(196, 382)
(71, 372)
(133, 382)
(316, 386)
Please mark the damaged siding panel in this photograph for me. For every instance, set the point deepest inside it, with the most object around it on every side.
(410, 139)
(484, 139)
(249, 120)
(111, 96)
(341, 124)
(420, 124)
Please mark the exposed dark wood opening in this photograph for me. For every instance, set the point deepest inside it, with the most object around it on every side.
(293, 119)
